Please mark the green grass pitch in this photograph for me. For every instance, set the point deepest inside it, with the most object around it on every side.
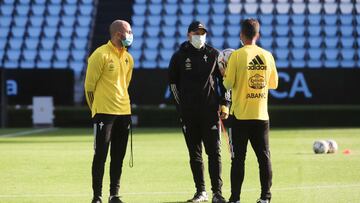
(54, 167)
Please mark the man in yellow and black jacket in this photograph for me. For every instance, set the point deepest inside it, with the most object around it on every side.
(196, 84)
(107, 80)
(250, 73)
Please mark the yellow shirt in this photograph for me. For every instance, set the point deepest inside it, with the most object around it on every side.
(107, 80)
(250, 73)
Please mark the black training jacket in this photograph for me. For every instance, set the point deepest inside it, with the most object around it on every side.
(195, 80)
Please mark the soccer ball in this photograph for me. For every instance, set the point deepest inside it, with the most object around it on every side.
(223, 58)
(333, 147)
(321, 147)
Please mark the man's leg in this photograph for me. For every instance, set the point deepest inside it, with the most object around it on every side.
(211, 139)
(192, 133)
(260, 143)
(102, 130)
(119, 139)
(238, 138)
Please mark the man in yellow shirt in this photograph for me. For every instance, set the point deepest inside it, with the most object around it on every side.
(106, 88)
(251, 72)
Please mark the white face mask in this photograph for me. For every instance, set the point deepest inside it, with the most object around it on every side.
(198, 41)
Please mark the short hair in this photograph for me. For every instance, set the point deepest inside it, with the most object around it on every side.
(250, 27)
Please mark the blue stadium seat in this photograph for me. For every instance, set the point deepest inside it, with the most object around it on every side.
(67, 32)
(171, 9)
(186, 19)
(39, 1)
(5, 21)
(346, 30)
(266, 30)
(298, 42)
(202, 8)
(298, 53)
(347, 7)
(136, 54)
(315, 41)
(155, 9)
(331, 42)
(298, 19)
(152, 31)
(149, 64)
(297, 63)
(38, 10)
(6, 10)
(139, 9)
(330, 19)
(330, 31)
(20, 21)
(266, 8)
(233, 42)
(16, 43)
(348, 54)
(233, 30)
(68, 21)
(34, 32)
(187, 9)
(298, 7)
(77, 66)
(78, 54)
(282, 19)
(52, 21)
(3, 42)
(202, 18)
(347, 42)
(170, 20)
(61, 54)
(36, 21)
(298, 30)
(282, 42)
(47, 43)
(83, 20)
(11, 64)
(138, 31)
(266, 19)
(234, 19)
(314, 19)
(137, 44)
(152, 43)
(64, 43)
(86, 9)
(219, 8)
(150, 54)
(266, 42)
(29, 54)
(314, 8)
(217, 42)
(59, 64)
(2, 53)
(4, 31)
(217, 30)
(315, 54)
(281, 53)
(87, 2)
(330, 8)
(168, 43)
(314, 30)
(22, 10)
(346, 19)
(166, 54)
(31, 43)
(235, 8)
(331, 54)
(18, 31)
(54, 9)
(168, 31)
(82, 31)
(30, 64)
(251, 8)
(13, 54)
(218, 19)
(70, 9)
(154, 20)
(55, 1)
(138, 20)
(282, 30)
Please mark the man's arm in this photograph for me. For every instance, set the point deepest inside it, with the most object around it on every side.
(230, 73)
(174, 75)
(273, 81)
(224, 94)
(93, 73)
(129, 73)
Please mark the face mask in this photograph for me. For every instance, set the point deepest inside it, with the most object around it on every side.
(128, 40)
(198, 41)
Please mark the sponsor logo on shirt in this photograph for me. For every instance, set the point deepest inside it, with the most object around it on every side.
(257, 82)
(188, 64)
(256, 64)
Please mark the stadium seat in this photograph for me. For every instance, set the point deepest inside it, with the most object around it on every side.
(267, 8)
(297, 63)
(29, 54)
(138, 20)
(5, 21)
(282, 42)
(314, 19)
(233, 30)
(298, 8)
(346, 30)
(347, 54)
(202, 8)
(166, 54)
(20, 21)
(64, 43)
(266, 30)
(314, 30)
(139, 9)
(233, 42)
(297, 30)
(171, 9)
(219, 8)
(54, 9)
(331, 42)
(47, 43)
(217, 30)
(347, 42)
(70, 9)
(31, 43)
(22, 10)
(314, 42)
(168, 31)
(137, 44)
(266, 42)
(152, 43)
(155, 9)
(282, 19)
(67, 32)
(314, 8)
(68, 21)
(52, 21)
(4, 31)
(82, 31)
(282, 30)
(36, 21)
(282, 8)
(330, 8)
(185, 19)
(346, 8)
(315, 54)
(298, 19)
(27, 64)
(298, 53)
(13, 54)
(170, 20)
(86, 10)
(18, 31)
(154, 20)
(138, 31)
(168, 43)
(217, 42)
(152, 31)
(78, 54)
(235, 8)
(150, 54)
(136, 54)
(187, 9)
(218, 19)
(234, 19)
(16, 43)
(330, 31)
(202, 18)
(3, 42)
(266, 19)
(330, 19)
(346, 19)
(6, 10)
(251, 8)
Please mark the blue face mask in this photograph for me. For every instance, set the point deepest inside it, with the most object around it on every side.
(127, 41)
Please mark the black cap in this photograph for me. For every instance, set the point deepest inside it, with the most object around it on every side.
(195, 25)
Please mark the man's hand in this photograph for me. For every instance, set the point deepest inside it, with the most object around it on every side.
(224, 112)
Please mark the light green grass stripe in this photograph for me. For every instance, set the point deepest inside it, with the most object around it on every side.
(29, 132)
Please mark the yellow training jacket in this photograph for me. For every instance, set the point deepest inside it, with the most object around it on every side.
(107, 80)
(250, 73)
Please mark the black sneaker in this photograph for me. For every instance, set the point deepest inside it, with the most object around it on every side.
(218, 198)
(96, 200)
(199, 197)
(115, 199)
(233, 200)
(262, 201)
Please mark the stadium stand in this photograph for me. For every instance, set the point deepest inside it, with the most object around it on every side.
(45, 33)
(301, 34)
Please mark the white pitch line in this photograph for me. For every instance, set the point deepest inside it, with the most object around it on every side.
(28, 132)
(309, 187)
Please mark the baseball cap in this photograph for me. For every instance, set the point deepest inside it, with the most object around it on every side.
(195, 25)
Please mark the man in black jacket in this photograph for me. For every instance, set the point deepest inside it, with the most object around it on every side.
(196, 84)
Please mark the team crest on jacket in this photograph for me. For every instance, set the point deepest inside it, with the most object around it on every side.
(257, 82)
(187, 64)
(205, 58)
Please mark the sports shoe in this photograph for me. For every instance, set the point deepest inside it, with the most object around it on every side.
(199, 197)
(262, 201)
(115, 199)
(218, 198)
(234, 201)
(96, 200)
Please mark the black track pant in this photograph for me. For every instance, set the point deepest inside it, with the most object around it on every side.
(257, 131)
(198, 130)
(108, 129)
